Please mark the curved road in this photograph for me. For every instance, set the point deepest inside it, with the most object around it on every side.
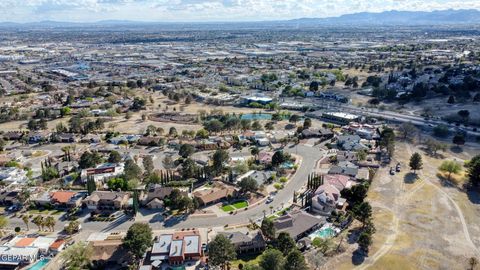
(309, 155)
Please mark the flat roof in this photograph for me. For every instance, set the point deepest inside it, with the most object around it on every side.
(163, 244)
(192, 244)
(342, 115)
(176, 248)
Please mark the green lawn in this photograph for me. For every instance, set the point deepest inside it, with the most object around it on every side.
(252, 259)
(228, 208)
(234, 206)
(240, 204)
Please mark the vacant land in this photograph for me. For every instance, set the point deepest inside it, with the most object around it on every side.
(422, 222)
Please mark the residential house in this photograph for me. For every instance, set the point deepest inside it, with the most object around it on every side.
(39, 136)
(215, 194)
(107, 200)
(13, 257)
(246, 241)
(13, 135)
(156, 194)
(66, 199)
(109, 254)
(327, 197)
(265, 158)
(13, 176)
(9, 198)
(102, 171)
(177, 248)
(298, 224)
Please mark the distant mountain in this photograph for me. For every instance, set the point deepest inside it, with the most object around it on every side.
(450, 16)
(394, 17)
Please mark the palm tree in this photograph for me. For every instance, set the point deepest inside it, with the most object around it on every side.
(26, 220)
(50, 223)
(77, 256)
(473, 262)
(38, 220)
(3, 224)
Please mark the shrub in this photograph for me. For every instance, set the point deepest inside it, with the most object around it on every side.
(278, 186)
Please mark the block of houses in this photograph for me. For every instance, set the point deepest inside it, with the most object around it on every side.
(107, 200)
(246, 241)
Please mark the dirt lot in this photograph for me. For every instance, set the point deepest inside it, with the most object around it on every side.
(422, 223)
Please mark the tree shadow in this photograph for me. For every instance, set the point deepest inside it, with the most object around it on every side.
(445, 182)
(456, 149)
(410, 178)
(473, 194)
(174, 220)
(358, 257)
(429, 153)
(352, 235)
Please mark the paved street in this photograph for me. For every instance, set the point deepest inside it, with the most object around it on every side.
(310, 155)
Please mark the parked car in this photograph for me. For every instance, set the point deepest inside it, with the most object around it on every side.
(398, 167)
(392, 171)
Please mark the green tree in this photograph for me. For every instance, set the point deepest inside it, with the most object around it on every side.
(72, 227)
(278, 158)
(416, 162)
(189, 169)
(89, 159)
(473, 170)
(77, 256)
(387, 140)
(307, 123)
(3, 224)
(295, 261)
(148, 166)
(138, 240)
(91, 185)
(363, 212)
(26, 220)
(271, 259)
(2, 144)
(364, 241)
(219, 158)
(202, 134)
(450, 166)
(248, 184)
(186, 150)
(221, 251)
(50, 223)
(132, 170)
(114, 157)
(285, 243)
(407, 131)
(268, 228)
(135, 204)
(39, 222)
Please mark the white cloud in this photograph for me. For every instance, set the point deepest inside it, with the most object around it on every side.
(206, 10)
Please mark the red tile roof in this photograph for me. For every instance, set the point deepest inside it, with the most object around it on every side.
(62, 196)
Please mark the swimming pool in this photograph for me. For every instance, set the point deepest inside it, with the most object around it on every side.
(256, 116)
(323, 233)
(40, 264)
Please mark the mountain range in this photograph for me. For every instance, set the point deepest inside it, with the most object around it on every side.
(394, 17)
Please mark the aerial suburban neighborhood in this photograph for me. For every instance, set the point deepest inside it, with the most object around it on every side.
(283, 145)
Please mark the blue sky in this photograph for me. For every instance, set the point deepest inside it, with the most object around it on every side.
(206, 10)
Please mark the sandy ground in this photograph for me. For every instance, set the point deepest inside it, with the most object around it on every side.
(422, 223)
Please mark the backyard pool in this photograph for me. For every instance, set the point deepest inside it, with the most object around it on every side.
(40, 264)
(326, 232)
(256, 116)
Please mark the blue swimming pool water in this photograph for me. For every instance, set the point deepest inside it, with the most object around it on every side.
(40, 264)
(323, 233)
